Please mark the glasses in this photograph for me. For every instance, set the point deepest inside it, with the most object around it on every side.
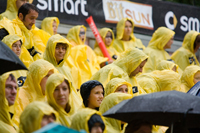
(82, 33)
(109, 37)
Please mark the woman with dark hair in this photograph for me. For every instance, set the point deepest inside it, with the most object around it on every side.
(92, 93)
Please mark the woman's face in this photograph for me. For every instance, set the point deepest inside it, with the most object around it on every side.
(122, 88)
(60, 52)
(82, 34)
(61, 94)
(44, 80)
(197, 43)
(96, 97)
(128, 28)
(54, 26)
(169, 43)
(108, 38)
(138, 69)
(16, 48)
(196, 77)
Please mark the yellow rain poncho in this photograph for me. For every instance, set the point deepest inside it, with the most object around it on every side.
(185, 55)
(6, 125)
(188, 77)
(126, 63)
(47, 22)
(11, 10)
(111, 50)
(32, 91)
(121, 45)
(155, 49)
(114, 83)
(156, 81)
(166, 65)
(74, 39)
(31, 117)
(113, 125)
(53, 81)
(81, 118)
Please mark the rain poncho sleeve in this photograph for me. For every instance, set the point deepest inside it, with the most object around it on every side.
(49, 55)
(111, 50)
(114, 83)
(53, 81)
(31, 117)
(188, 77)
(6, 125)
(32, 91)
(121, 45)
(81, 118)
(47, 24)
(113, 125)
(185, 55)
(155, 49)
(11, 10)
(127, 62)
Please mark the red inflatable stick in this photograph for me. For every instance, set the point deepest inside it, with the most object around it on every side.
(102, 46)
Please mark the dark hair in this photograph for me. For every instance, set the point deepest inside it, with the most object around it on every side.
(12, 77)
(68, 107)
(95, 118)
(25, 9)
(134, 126)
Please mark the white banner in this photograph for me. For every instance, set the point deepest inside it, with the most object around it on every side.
(141, 14)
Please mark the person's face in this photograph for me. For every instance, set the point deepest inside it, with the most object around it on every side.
(29, 19)
(60, 52)
(108, 38)
(122, 88)
(19, 3)
(82, 34)
(47, 119)
(96, 97)
(128, 28)
(196, 77)
(44, 80)
(96, 128)
(144, 129)
(10, 91)
(138, 69)
(197, 42)
(61, 94)
(169, 43)
(16, 48)
(54, 25)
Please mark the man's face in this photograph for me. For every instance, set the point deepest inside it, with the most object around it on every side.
(10, 90)
(19, 3)
(29, 19)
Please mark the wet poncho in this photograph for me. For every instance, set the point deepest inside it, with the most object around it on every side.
(185, 55)
(121, 45)
(52, 82)
(126, 63)
(81, 118)
(11, 10)
(113, 125)
(111, 50)
(31, 117)
(49, 55)
(155, 49)
(47, 22)
(188, 77)
(166, 65)
(116, 82)
(156, 81)
(6, 125)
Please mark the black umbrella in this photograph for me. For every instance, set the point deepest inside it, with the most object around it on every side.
(9, 61)
(195, 90)
(160, 108)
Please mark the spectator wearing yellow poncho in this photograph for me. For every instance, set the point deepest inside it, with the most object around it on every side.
(12, 8)
(125, 38)
(35, 116)
(156, 81)
(50, 25)
(8, 94)
(86, 119)
(190, 76)
(118, 85)
(185, 55)
(127, 66)
(113, 125)
(59, 96)
(108, 38)
(162, 39)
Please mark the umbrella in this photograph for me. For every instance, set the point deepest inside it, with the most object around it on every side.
(56, 128)
(195, 90)
(9, 60)
(160, 108)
